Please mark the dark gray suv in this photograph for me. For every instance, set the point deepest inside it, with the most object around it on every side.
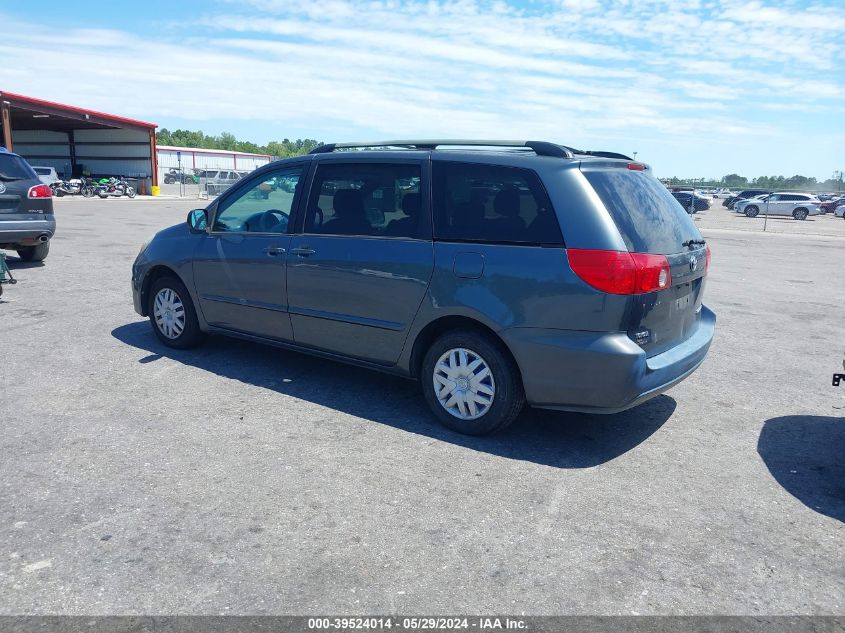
(26, 209)
(496, 273)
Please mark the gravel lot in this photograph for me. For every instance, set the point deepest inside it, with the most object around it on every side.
(243, 479)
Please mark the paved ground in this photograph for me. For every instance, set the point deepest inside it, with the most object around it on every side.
(243, 479)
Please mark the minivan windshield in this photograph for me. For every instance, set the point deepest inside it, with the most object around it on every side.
(648, 217)
(15, 168)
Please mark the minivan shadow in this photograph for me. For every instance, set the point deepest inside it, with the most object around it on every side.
(804, 454)
(562, 440)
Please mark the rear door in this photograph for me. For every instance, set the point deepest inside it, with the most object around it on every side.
(361, 262)
(650, 221)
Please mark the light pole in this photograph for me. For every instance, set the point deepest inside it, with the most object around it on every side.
(635, 156)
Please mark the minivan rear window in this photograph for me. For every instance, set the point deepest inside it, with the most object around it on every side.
(492, 203)
(648, 217)
(15, 168)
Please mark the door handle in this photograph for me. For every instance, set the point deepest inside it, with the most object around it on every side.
(274, 250)
(303, 251)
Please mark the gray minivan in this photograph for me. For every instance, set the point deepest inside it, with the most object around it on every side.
(497, 273)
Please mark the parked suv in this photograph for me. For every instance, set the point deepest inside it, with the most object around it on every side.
(217, 181)
(496, 275)
(744, 195)
(26, 209)
(692, 203)
(797, 205)
(47, 175)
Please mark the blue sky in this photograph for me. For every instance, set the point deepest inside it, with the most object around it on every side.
(696, 88)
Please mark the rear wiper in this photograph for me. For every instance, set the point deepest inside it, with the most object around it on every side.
(689, 243)
(9, 178)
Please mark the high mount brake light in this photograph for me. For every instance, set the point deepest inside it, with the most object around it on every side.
(40, 191)
(621, 272)
(636, 166)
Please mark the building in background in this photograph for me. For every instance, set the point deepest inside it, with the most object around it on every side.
(77, 141)
(193, 158)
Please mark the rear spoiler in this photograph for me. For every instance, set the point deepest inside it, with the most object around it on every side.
(599, 153)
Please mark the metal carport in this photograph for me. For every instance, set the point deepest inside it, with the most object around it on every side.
(76, 140)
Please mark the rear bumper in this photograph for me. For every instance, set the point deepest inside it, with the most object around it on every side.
(601, 372)
(26, 232)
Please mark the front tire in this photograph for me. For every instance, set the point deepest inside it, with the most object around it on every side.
(130, 191)
(800, 214)
(471, 383)
(172, 314)
(37, 253)
(751, 212)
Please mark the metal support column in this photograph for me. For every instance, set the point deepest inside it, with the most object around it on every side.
(6, 117)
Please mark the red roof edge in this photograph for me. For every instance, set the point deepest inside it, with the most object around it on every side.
(22, 99)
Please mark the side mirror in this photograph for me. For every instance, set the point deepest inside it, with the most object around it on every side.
(198, 221)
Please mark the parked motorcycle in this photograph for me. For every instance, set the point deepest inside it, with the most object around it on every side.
(115, 188)
(72, 187)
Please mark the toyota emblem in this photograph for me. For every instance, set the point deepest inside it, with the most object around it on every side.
(693, 263)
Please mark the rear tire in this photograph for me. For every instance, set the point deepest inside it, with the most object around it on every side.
(471, 383)
(751, 212)
(172, 314)
(37, 253)
(800, 214)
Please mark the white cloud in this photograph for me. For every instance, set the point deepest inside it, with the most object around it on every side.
(567, 70)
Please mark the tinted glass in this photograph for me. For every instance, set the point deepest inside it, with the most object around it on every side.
(262, 206)
(42, 171)
(649, 219)
(489, 203)
(377, 199)
(15, 168)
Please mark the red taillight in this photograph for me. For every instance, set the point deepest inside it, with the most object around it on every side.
(707, 259)
(40, 191)
(636, 166)
(653, 272)
(620, 272)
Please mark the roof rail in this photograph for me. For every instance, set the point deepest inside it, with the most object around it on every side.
(541, 148)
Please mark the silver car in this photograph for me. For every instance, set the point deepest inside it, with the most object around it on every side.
(796, 205)
(216, 181)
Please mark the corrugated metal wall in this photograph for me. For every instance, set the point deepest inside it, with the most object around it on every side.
(102, 152)
(56, 153)
(114, 152)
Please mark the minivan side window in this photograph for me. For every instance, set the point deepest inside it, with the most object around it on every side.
(491, 203)
(378, 199)
(261, 206)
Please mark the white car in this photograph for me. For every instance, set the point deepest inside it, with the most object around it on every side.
(797, 205)
(839, 211)
(47, 175)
